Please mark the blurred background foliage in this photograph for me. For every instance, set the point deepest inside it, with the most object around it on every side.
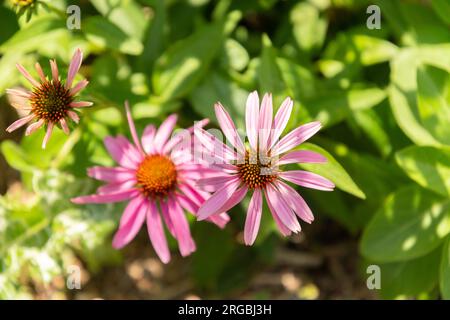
(383, 96)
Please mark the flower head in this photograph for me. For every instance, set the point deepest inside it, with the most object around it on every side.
(158, 179)
(51, 101)
(257, 169)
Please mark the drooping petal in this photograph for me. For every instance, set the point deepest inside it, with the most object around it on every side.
(252, 119)
(106, 198)
(19, 92)
(74, 66)
(147, 138)
(156, 233)
(116, 174)
(296, 137)
(302, 156)
(27, 75)
(228, 128)
(74, 116)
(281, 208)
(40, 72)
(55, 72)
(48, 134)
(280, 121)
(81, 104)
(218, 199)
(137, 210)
(164, 132)
(307, 179)
(295, 201)
(235, 198)
(181, 228)
(281, 227)
(265, 121)
(123, 152)
(78, 87)
(20, 123)
(214, 181)
(34, 126)
(64, 126)
(253, 218)
(132, 127)
(130, 211)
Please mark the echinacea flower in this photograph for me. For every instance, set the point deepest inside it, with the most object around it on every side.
(155, 177)
(51, 101)
(257, 169)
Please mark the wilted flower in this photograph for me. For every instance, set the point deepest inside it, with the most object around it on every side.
(156, 177)
(257, 169)
(51, 101)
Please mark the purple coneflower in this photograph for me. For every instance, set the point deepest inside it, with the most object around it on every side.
(51, 101)
(257, 168)
(155, 176)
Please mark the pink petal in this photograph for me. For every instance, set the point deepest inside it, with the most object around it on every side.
(295, 201)
(19, 92)
(181, 228)
(167, 218)
(302, 156)
(48, 134)
(281, 120)
(217, 148)
(147, 138)
(252, 119)
(214, 204)
(265, 121)
(281, 209)
(55, 73)
(34, 126)
(40, 72)
(27, 75)
(253, 218)
(74, 116)
(307, 179)
(235, 198)
(111, 174)
(64, 126)
(164, 132)
(137, 209)
(134, 134)
(123, 152)
(116, 187)
(228, 128)
(214, 181)
(19, 99)
(129, 213)
(74, 66)
(180, 136)
(106, 198)
(81, 104)
(220, 219)
(296, 137)
(156, 233)
(78, 87)
(20, 123)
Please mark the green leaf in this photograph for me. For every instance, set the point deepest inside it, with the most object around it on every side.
(373, 50)
(433, 86)
(428, 166)
(442, 9)
(15, 156)
(411, 223)
(103, 34)
(235, 55)
(332, 170)
(410, 278)
(335, 106)
(444, 276)
(184, 64)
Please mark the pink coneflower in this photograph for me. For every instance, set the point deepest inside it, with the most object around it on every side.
(51, 101)
(152, 174)
(257, 168)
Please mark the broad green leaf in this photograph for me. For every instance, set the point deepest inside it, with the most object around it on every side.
(442, 9)
(410, 278)
(402, 92)
(300, 81)
(428, 166)
(411, 223)
(373, 50)
(433, 86)
(335, 106)
(444, 276)
(9, 23)
(235, 55)
(184, 64)
(15, 156)
(308, 27)
(332, 170)
(103, 34)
